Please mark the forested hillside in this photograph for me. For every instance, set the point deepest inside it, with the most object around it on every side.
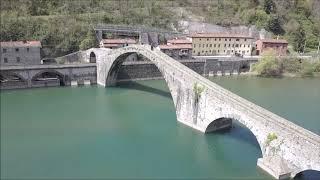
(65, 26)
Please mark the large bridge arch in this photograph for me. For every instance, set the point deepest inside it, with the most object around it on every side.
(198, 102)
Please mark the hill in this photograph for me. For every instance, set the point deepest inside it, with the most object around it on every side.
(65, 26)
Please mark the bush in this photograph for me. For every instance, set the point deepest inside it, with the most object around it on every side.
(291, 65)
(307, 69)
(269, 65)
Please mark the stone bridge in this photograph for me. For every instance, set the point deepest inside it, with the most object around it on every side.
(28, 75)
(287, 148)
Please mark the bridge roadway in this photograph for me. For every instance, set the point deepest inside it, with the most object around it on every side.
(287, 148)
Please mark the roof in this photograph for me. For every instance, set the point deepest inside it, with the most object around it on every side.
(177, 46)
(21, 44)
(282, 41)
(118, 41)
(179, 41)
(220, 35)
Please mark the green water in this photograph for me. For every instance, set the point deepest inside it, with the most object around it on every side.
(131, 132)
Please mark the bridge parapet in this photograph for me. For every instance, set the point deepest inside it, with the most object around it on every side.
(200, 102)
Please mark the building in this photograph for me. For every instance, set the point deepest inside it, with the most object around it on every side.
(116, 43)
(20, 53)
(280, 46)
(210, 44)
(178, 48)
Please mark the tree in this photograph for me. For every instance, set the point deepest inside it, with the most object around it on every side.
(269, 6)
(274, 25)
(298, 39)
(89, 42)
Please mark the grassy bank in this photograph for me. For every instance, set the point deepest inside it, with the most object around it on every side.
(271, 65)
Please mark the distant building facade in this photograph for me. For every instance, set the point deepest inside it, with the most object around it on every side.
(178, 48)
(20, 53)
(210, 44)
(280, 46)
(116, 43)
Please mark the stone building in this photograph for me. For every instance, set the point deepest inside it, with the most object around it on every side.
(280, 46)
(210, 44)
(20, 53)
(178, 48)
(116, 43)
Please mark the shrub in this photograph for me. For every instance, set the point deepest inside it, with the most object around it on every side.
(307, 69)
(268, 65)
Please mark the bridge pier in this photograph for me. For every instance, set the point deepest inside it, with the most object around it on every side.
(275, 166)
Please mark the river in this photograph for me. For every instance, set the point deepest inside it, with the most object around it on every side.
(130, 131)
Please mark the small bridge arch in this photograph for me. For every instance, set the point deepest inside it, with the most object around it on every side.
(49, 75)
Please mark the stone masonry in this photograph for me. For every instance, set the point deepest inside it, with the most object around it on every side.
(287, 148)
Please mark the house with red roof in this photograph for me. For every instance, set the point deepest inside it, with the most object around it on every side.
(20, 53)
(116, 43)
(177, 48)
(280, 46)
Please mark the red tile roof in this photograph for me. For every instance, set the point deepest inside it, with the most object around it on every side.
(21, 44)
(118, 41)
(282, 41)
(177, 46)
(220, 35)
(179, 41)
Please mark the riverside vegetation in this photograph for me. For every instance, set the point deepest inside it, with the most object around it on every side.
(65, 26)
(272, 65)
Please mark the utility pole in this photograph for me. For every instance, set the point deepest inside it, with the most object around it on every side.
(318, 46)
(304, 47)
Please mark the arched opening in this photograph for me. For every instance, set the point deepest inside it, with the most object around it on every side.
(9, 80)
(235, 130)
(219, 124)
(92, 57)
(48, 78)
(307, 175)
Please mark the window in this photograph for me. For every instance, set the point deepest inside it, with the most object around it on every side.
(202, 45)
(27, 49)
(194, 51)
(229, 45)
(210, 45)
(17, 49)
(225, 45)
(200, 39)
(245, 39)
(225, 39)
(218, 45)
(230, 39)
(218, 51)
(199, 45)
(194, 45)
(214, 45)
(219, 39)
(215, 39)
(232, 51)
(5, 60)
(202, 51)
(18, 59)
(237, 39)
(210, 50)
(232, 45)
(207, 45)
(208, 39)
(240, 45)
(4, 50)
(237, 45)
(224, 50)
